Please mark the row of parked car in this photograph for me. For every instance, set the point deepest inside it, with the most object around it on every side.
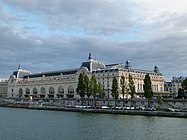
(175, 110)
(116, 108)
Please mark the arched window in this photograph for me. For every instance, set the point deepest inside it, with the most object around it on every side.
(138, 87)
(27, 91)
(35, 91)
(60, 90)
(51, 90)
(20, 91)
(42, 90)
(70, 90)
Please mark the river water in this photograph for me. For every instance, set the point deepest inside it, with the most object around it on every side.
(24, 124)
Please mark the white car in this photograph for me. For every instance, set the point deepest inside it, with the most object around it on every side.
(105, 107)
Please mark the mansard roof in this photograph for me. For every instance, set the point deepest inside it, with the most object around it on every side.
(146, 71)
(125, 69)
(52, 73)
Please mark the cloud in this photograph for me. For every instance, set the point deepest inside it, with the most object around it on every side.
(90, 16)
(50, 35)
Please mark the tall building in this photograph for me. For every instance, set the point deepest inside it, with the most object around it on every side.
(63, 83)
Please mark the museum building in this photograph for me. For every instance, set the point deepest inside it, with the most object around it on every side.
(63, 83)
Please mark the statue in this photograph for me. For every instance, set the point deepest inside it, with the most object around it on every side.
(90, 56)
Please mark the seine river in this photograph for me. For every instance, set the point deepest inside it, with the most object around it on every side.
(23, 124)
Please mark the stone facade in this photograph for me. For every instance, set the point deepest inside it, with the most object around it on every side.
(105, 76)
(168, 87)
(63, 84)
(3, 88)
(175, 84)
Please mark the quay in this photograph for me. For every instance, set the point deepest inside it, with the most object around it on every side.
(106, 111)
(60, 107)
(113, 111)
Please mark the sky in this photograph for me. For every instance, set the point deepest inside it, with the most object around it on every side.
(48, 35)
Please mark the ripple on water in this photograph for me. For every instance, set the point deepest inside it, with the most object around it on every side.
(16, 124)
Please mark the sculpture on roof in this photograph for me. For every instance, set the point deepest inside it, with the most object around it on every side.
(90, 56)
(156, 69)
(128, 64)
(19, 67)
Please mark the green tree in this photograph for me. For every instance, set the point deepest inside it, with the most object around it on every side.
(184, 88)
(81, 88)
(114, 90)
(184, 84)
(93, 87)
(87, 87)
(148, 93)
(180, 93)
(159, 101)
(131, 87)
(123, 85)
(100, 89)
(87, 82)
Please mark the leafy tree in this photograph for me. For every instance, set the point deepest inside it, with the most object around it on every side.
(123, 85)
(87, 87)
(81, 88)
(148, 93)
(93, 87)
(184, 84)
(87, 82)
(184, 88)
(114, 90)
(180, 93)
(159, 100)
(100, 89)
(131, 87)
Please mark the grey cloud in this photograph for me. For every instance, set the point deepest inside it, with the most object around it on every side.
(62, 53)
(166, 48)
(168, 24)
(92, 16)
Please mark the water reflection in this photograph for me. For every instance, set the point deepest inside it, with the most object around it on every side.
(43, 125)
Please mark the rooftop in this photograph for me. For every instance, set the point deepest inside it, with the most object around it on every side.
(52, 73)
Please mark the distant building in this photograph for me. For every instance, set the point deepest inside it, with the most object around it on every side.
(63, 83)
(168, 87)
(177, 82)
(3, 87)
(173, 86)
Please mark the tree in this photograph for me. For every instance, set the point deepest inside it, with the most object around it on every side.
(131, 87)
(114, 90)
(87, 82)
(123, 85)
(159, 100)
(100, 89)
(93, 87)
(81, 86)
(180, 93)
(148, 93)
(184, 84)
(184, 88)
(87, 87)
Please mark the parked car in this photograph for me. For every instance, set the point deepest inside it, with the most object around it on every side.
(98, 107)
(169, 109)
(105, 107)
